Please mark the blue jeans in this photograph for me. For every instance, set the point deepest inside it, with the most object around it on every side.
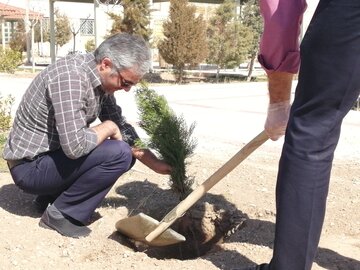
(79, 185)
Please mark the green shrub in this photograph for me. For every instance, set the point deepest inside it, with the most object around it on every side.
(9, 60)
(3, 138)
(5, 124)
(5, 113)
(90, 45)
(3, 165)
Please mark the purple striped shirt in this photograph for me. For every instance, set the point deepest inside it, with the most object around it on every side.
(279, 45)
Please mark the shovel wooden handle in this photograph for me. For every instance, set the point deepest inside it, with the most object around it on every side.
(194, 196)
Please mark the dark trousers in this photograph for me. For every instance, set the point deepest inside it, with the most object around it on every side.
(78, 185)
(328, 85)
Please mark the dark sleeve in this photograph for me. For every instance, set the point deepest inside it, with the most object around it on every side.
(111, 111)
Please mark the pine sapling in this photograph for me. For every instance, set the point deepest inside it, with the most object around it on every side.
(168, 135)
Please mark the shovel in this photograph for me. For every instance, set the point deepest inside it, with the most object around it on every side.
(154, 233)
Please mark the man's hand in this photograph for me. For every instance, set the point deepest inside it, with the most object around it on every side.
(107, 129)
(151, 161)
(277, 118)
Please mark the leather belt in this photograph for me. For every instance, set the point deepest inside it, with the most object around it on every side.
(14, 163)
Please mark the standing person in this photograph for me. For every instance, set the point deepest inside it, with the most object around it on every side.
(53, 152)
(327, 88)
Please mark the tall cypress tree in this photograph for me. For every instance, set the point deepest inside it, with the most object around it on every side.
(229, 40)
(62, 29)
(18, 39)
(185, 37)
(135, 19)
(252, 19)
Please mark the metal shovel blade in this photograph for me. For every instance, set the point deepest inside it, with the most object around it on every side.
(139, 226)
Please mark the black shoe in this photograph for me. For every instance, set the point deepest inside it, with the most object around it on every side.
(54, 219)
(41, 202)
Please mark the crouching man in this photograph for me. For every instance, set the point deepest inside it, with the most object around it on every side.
(54, 153)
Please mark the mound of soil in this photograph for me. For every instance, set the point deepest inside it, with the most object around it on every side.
(204, 226)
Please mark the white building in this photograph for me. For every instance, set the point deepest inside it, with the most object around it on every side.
(81, 17)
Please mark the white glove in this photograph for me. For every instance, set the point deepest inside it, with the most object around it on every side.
(277, 118)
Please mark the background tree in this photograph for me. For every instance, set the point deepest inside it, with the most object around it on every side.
(76, 30)
(90, 45)
(252, 18)
(41, 34)
(62, 30)
(18, 38)
(37, 33)
(135, 19)
(19, 42)
(185, 37)
(229, 40)
(116, 23)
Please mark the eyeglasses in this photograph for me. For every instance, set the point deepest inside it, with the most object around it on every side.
(125, 83)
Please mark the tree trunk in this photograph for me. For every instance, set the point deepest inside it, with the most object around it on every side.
(251, 66)
(180, 75)
(217, 74)
(74, 45)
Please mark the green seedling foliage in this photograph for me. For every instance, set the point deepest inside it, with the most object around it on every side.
(169, 135)
(6, 104)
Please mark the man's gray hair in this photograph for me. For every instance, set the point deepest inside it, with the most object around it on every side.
(126, 51)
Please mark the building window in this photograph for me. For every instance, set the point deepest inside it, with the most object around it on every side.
(87, 27)
(7, 31)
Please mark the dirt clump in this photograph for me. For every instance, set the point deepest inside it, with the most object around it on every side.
(204, 226)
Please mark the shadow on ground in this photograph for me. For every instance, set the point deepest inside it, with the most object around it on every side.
(17, 202)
